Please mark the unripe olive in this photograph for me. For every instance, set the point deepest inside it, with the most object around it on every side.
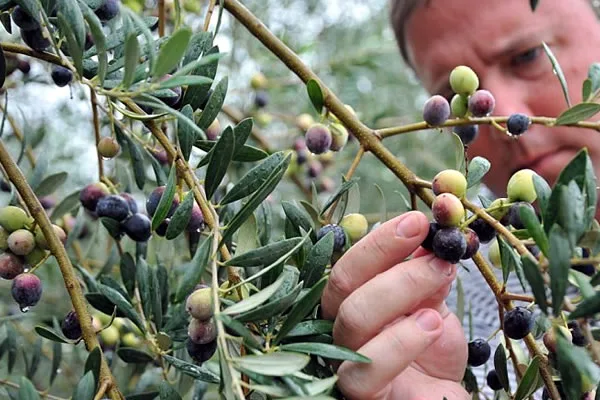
(447, 210)
(263, 118)
(450, 181)
(499, 208)
(355, 225)
(202, 332)
(130, 339)
(436, 110)
(199, 304)
(41, 241)
(108, 147)
(326, 158)
(21, 242)
(459, 105)
(520, 186)
(259, 81)
(304, 121)
(10, 266)
(13, 218)
(110, 336)
(318, 139)
(463, 80)
(494, 254)
(339, 136)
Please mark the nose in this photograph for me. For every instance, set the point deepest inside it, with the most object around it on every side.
(511, 95)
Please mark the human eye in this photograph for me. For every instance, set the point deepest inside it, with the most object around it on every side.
(526, 57)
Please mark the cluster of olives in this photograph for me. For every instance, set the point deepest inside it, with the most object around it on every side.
(468, 101)
(446, 238)
(123, 208)
(323, 137)
(33, 34)
(202, 331)
(24, 246)
(121, 332)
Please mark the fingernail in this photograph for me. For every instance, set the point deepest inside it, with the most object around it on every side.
(441, 266)
(428, 320)
(408, 227)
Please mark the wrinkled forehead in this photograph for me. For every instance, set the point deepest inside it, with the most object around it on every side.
(440, 34)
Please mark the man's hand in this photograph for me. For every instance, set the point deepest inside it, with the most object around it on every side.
(393, 312)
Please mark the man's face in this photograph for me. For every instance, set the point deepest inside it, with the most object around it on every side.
(501, 41)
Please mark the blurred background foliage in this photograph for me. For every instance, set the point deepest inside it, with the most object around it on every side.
(349, 44)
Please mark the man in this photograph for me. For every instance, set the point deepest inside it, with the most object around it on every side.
(394, 311)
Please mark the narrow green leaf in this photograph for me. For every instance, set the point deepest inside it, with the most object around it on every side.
(194, 270)
(239, 328)
(166, 200)
(271, 308)
(195, 96)
(156, 297)
(50, 334)
(531, 222)
(577, 113)
(75, 50)
(330, 351)
(132, 57)
(586, 90)
(242, 132)
(582, 281)
(11, 340)
(190, 80)
(543, 191)
(56, 359)
(301, 309)
(533, 4)
(318, 259)
(312, 327)
(142, 275)
(587, 307)
(99, 41)
(186, 136)
(86, 387)
(478, 167)
(27, 390)
(315, 94)
(529, 383)
(123, 305)
(255, 300)
(501, 368)
(510, 262)
(93, 362)
(340, 192)
(66, 205)
(198, 372)
(273, 364)
(50, 184)
(181, 217)
(536, 281)
(244, 154)
(127, 268)
(219, 161)
(298, 217)
(575, 366)
(559, 73)
(134, 356)
(257, 198)
(167, 392)
(214, 104)
(559, 265)
(70, 9)
(264, 255)
(200, 43)
(253, 179)
(172, 52)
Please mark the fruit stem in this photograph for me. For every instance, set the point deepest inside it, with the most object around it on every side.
(66, 268)
(96, 122)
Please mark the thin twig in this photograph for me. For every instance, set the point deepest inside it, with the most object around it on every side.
(348, 176)
(43, 395)
(96, 121)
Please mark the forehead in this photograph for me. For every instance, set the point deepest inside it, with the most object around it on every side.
(441, 34)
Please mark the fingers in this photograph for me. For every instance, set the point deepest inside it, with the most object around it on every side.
(383, 248)
(391, 352)
(397, 291)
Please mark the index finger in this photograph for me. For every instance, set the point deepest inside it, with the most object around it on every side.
(380, 250)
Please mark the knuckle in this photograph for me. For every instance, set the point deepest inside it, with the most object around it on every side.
(351, 382)
(351, 319)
